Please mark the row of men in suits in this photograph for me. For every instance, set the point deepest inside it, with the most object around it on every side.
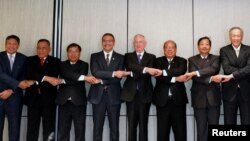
(106, 94)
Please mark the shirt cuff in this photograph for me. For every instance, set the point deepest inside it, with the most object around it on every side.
(113, 74)
(210, 80)
(164, 73)
(131, 74)
(173, 80)
(43, 79)
(144, 70)
(198, 74)
(81, 78)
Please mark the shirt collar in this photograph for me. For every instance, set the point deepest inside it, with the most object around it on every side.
(110, 53)
(142, 53)
(203, 57)
(236, 49)
(13, 55)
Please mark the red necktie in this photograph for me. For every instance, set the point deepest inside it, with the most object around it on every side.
(41, 61)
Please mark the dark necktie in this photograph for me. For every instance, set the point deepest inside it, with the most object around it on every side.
(169, 64)
(41, 61)
(139, 58)
(107, 59)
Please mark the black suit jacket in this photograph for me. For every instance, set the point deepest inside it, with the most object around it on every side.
(163, 83)
(202, 90)
(72, 87)
(100, 70)
(240, 68)
(145, 86)
(10, 79)
(35, 72)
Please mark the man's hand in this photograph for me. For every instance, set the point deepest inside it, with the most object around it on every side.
(23, 84)
(6, 94)
(91, 79)
(181, 78)
(190, 75)
(216, 78)
(120, 74)
(226, 78)
(153, 71)
(53, 80)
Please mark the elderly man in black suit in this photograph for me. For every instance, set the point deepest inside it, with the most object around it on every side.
(170, 95)
(107, 66)
(138, 88)
(235, 60)
(72, 99)
(40, 97)
(205, 90)
(12, 83)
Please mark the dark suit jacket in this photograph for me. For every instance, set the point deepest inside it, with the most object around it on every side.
(73, 88)
(10, 79)
(240, 68)
(201, 89)
(35, 72)
(145, 86)
(100, 70)
(163, 83)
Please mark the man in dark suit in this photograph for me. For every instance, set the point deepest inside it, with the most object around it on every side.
(107, 66)
(235, 60)
(138, 89)
(12, 81)
(205, 90)
(40, 97)
(170, 95)
(72, 95)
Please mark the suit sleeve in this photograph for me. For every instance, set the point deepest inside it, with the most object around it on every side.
(7, 80)
(205, 73)
(230, 69)
(172, 72)
(137, 69)
(70, 76)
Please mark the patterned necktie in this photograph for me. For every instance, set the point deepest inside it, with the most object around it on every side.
(107, 59)
(169, 63)
(139, 58)
(11, 59)
(41, 61)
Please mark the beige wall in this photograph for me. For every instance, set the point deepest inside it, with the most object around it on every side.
(85, 21)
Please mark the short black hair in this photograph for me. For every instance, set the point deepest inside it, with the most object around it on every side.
(15, 37)
(43, 40)
(74, 45)
(108, 34)
(202, 38)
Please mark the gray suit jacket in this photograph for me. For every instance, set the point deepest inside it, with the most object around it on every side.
(202, 90)
(100, 70)
(240, 68)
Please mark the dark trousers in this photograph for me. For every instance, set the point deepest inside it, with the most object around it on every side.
(12, 108)
(68, 113)
(203, 117)
(35, 113)
(231, 109)
(174, 116)
(113, 112)
(137, 114)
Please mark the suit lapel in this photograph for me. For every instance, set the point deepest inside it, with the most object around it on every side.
(7, 62)
(241, 54)
(101, 57)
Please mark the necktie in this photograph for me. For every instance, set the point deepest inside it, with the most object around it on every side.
(107, 59)
(11, 59)
(139, 58)
(41, 61)
(169, 63)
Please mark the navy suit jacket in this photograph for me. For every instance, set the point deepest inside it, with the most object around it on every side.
(100, 70)
(10, 79)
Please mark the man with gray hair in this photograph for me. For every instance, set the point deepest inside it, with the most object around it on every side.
(235, 60)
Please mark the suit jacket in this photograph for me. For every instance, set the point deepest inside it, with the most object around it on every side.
(72, 88)
(100, 70)
(10, 79)
(240, 68)
(202, 90)
(139, 81)
(43, 91)
(163, 83)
